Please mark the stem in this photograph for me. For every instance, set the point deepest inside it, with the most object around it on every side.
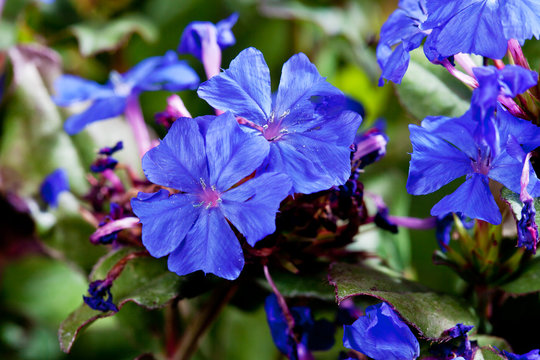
(464, 78)
(172, 323)
(466, 62)
(281, 301)
(198, 327)
(414, 223)
(512, 106)
(135, 119)
(114, 180)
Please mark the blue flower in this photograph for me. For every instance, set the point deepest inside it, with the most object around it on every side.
(200, 34)
(110, 100)
(509, 81)
(98, 290)
(481, 27)
(402, 30)
(444, 228)
(381, 335)
(310, 334)
(457, 344)
(203, 158)
(53, 185)
(531, 355)
(445, 149)
(307, 132)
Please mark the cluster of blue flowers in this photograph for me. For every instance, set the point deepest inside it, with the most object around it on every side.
(492, 139)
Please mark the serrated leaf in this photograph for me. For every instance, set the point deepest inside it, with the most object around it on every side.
(96, 37)
(527, 282)
(430, 313)
(290, 285)
(144, 281)
(429, 90)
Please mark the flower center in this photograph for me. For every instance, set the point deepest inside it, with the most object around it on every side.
(209, 197)
(121, 88)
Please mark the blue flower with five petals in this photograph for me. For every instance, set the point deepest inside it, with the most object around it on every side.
(204, 159)
(306, 129)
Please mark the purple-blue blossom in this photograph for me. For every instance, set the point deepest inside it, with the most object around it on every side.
(106, 101)
(531, 355)
(306, 130)
(203, 158)
(381, 335)
(310, 334)
(445, 149)
(53, 185)
(456, 346)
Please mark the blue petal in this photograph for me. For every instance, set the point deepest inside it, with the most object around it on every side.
(53, 185)
(179, 161)
(278, 326)
(473, 198)
(299, 81)
(70, 89)
(520, 19)
(101, 109)
(138, 74)
(526, 134)
(225, 36)
(457, 131)
(473, 26)
(252, 206)
(381, 334)
(243, 89)
(166, 220)
(177, 76)
(516, 79)
(210, 246)
(395, 65)
(507, 170)
(232, 153)
(434, 162)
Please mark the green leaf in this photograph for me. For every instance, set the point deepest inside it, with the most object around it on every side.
(489, 340)
(7, 34)
(144, 281)
(33, 141)
(527, 282)
(430, 313)
(291, 285)
(96, 37)
(429, 90)
(487, 353)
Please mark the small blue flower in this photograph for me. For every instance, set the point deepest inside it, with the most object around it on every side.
(110, 100)
(109, 151)
(403, 31)
(98, 290)
(445, 149)
(531, 355)
(203, 158)
(443, 228)
(481, 27)
(53, 185)
(198, 34)
(311, 334)
(307, 132)
(381, 335)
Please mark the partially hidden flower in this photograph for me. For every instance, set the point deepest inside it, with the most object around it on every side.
(203, 159)
(174, 110)
(100, 296)
(481, 27)
(53, 185)
(527, 228)
(531, 355)
(456, 345)
(443, 228)
(110, 100)
(370, 146)
(309, 334)
(445, 149)
(400, 34)
(306, 129)
(381, 335)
